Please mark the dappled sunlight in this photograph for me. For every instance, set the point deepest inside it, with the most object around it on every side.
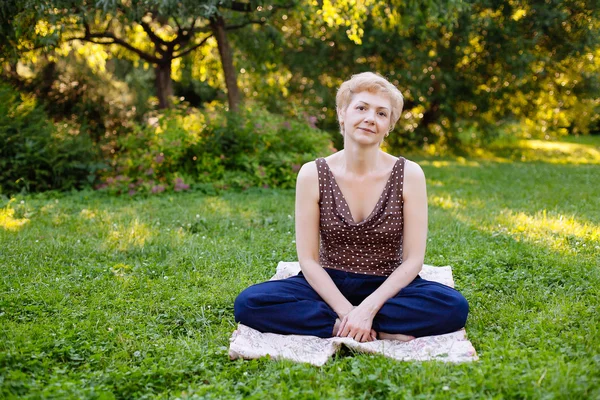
(9, 222)
(561, 233)
(444, 202)
(248, 215)
(561, 152)
(435, 183)
(125, 237)
(216, 205)
(553, 152)
(87, 214)
(558, 231)
(449, 163)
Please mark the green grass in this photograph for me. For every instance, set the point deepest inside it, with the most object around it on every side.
(104, 297)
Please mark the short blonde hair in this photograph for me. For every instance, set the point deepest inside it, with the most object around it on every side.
(374, 83)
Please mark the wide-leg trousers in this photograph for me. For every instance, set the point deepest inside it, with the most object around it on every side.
(292, 306)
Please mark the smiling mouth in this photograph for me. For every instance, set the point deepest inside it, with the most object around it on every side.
(367, 130)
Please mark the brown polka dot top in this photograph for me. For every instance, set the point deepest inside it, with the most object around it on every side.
(372, 246)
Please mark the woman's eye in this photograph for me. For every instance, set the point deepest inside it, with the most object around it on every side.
(383, 114)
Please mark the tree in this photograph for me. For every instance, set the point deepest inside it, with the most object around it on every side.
(155, 31)
(468, 69)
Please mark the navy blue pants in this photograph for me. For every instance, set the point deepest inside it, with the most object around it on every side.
(291, 306)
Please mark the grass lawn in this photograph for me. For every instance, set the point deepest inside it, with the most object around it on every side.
(117, 297)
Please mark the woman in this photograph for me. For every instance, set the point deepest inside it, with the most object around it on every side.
(361, 231)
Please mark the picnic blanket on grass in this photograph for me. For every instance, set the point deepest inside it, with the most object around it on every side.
(249, 343)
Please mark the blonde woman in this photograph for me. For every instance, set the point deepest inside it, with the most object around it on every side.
(361, 232)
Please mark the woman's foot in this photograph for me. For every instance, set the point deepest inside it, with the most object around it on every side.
(394, 336)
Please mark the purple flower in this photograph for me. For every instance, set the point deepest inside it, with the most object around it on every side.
(180, 185)
(312, 121)
(296, 167)
(158, 189)
(159, 158)
(131, 192)
(150, 171)
(286, 125)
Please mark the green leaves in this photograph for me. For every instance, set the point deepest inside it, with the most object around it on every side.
(35, 156)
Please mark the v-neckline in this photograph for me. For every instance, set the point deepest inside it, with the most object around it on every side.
(385, 189)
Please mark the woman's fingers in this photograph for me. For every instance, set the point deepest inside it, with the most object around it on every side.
(343, 329)
(373, 334)
(360, 334)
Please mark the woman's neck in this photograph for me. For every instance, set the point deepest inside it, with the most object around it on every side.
(361, 160)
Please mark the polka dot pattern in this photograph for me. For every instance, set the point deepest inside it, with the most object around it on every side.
(372, 246)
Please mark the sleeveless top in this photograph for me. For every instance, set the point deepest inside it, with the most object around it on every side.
(372, 246)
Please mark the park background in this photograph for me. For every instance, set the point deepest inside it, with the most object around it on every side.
(148, 154)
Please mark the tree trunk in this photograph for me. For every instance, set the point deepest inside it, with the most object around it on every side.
(217, 25)
(164, 84)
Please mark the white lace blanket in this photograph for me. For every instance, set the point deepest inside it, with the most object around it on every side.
(249, 343)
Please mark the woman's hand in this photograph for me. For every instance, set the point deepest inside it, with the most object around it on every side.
(357, 325)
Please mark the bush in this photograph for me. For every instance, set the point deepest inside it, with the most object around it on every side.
(184, 145)
(35, 154)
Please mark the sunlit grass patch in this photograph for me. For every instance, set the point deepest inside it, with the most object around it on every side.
(560, 232)
(134, 234)
(580, 151)
(447, 163)
(9, 222)
(87, 214)
(133, 297)
(559, 152)
(445, 202)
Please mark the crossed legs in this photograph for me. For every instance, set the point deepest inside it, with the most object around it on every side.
(291, 306)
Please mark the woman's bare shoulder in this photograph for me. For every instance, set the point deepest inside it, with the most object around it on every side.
(307, 183)
(414, 177)
(413, 170)
(308, 171)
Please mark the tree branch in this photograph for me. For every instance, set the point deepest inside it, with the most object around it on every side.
(153, 36)
(120, 42)
(177, 23)
(239, 6)
(192, 48)
(204, 29)
(238, 26)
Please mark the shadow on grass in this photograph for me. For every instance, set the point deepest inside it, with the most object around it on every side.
(154, 318)
(532, 282)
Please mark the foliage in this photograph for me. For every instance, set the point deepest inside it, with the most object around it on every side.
(470, 70)
(155, 32)
(118, 297)
(474, 73)
(89, 94)
(35, 155)
(250, 148)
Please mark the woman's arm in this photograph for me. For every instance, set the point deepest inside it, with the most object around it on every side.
(414, 242)
(307, 240)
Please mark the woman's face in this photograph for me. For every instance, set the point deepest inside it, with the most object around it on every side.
(367, 117)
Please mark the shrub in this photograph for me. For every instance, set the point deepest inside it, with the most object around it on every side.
(35, 154)
(266, 149)
(184, 145)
